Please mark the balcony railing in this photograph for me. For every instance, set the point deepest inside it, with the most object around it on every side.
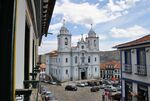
(141, 70)
(128, 68)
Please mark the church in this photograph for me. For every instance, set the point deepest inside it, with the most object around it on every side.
(71, 63)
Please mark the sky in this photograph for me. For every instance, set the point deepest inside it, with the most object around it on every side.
(114, 21)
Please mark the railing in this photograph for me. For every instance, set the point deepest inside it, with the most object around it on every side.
(128, 68)
(141, 70)
(25, 92)
(31, 87)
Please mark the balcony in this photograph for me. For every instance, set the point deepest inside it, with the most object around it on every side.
(141, 70)
(127, 68)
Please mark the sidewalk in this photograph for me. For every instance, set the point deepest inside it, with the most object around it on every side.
(34, 97)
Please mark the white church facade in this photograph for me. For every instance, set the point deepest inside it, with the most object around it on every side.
(69, 63)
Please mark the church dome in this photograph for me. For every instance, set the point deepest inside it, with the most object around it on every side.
(91, 33)
(63, 29)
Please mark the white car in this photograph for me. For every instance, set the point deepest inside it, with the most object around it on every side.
(111, 88)
(81, 84)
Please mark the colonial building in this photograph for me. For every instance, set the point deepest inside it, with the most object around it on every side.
(75, 63)
(110, 70)
(23, 23)
(135, 62)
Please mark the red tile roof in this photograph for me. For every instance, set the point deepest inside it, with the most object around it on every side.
(115, 64)
(54, 53)
(142, 40)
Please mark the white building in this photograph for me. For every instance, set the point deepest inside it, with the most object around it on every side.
(23, 23)
(135, 58)
(75, 63)
(110, 70)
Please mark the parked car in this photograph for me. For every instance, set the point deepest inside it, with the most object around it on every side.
(118, 88)
(94, 89)
(110, 88)
(71, 88)
(81, 84)
(90, 83)
(48, 96)
(53, 82)
(106, 82)
(102, 86)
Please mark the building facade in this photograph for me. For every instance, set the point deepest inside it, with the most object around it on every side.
(23, 23)
(135, 62)
(110, 70)
(75, 63)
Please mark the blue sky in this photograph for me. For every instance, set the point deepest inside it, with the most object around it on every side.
(114, 21)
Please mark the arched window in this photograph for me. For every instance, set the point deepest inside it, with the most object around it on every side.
(66, 41)
(82, 54)
(82, 47)
(94, 43)
(95, 59)
(89, 59)
(66, 71)
(66, 60)
(82, 58)
(95, 69)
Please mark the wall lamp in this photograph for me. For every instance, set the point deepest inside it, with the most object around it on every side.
(132, 51)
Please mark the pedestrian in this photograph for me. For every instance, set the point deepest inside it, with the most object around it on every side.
(106, 95)
(103, 96)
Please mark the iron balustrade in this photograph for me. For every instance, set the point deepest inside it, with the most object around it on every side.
(128, 68)
(141, 70)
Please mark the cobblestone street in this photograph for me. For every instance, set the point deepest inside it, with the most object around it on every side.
(82, 94)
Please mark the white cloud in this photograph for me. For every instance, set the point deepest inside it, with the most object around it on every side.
(54, 28)
(85, 13)
(102, 37)
(47, 46)
(131, 32)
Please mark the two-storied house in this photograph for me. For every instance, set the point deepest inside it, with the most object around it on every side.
(135, 62)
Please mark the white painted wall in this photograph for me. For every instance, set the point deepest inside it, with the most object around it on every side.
(20, 39)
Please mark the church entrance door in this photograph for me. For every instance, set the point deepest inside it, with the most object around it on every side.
(83, 76)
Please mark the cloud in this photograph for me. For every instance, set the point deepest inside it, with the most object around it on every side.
(54, 28)
(102, 37)
(47, 46)
(85, 13)
(131, 32)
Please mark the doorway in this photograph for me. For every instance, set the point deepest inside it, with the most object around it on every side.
(83, 76)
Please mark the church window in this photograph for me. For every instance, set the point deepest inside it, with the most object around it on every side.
(82, 58)
(82, 54)
(66, 60)
(66, 71)
(95, 69)
(76, 59)
(94, 43)
(95, 59)
(82, 47)
(66, 41)
(89, 59)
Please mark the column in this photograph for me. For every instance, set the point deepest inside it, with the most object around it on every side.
(135, 91)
